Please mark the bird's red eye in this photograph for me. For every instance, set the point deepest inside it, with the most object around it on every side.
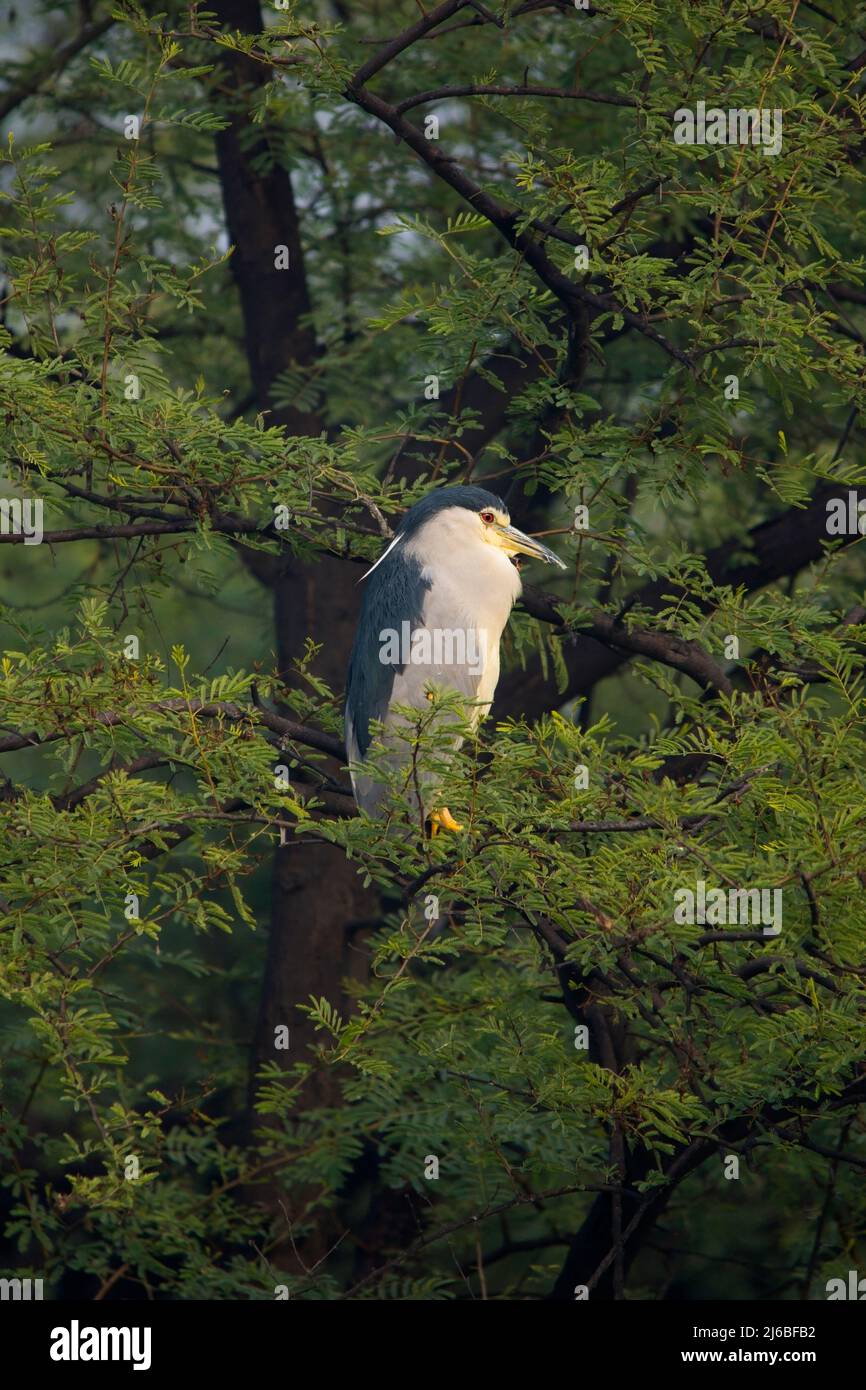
(487, 518)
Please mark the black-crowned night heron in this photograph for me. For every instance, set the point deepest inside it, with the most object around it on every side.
(435, 605)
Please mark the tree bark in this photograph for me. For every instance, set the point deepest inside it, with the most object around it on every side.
(316, 891)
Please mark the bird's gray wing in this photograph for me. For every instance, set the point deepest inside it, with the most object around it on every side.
(442, 654)
(394, 593)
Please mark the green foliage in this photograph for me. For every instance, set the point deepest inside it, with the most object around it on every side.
(139, 804)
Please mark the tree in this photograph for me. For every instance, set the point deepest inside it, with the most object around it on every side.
(270, 275)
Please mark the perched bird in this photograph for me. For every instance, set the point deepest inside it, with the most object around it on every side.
(434, 608)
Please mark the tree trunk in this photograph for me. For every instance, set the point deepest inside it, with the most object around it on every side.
(316, 891)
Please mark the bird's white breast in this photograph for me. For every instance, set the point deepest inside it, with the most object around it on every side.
(474, 586)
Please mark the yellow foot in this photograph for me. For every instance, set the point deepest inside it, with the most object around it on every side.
(442, 820)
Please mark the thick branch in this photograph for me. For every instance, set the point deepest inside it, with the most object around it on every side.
(109, 719)
(505, 220)
(666, 647)
(406, 39)
(780, 547)
(58, 59)
(480, 89)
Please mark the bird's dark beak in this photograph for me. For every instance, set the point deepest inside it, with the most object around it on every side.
(515, 542)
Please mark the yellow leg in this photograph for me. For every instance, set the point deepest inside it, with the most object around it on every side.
(442, 820)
